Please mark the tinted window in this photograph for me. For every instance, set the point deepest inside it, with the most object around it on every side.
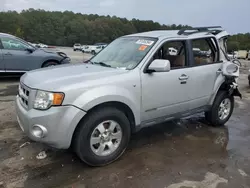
(203, 51)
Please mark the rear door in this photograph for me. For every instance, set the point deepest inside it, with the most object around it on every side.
(206, 68)
(15, 56)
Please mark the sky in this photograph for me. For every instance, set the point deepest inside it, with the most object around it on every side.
(232, 15)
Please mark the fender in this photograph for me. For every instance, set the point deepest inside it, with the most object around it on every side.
(229, 84)
(99, 95)
(218, 83)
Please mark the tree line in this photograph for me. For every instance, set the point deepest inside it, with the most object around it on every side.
(66, 28)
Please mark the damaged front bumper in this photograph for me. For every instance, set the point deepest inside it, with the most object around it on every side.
(234, 91)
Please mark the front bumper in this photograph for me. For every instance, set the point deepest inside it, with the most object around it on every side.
(60, 123)
(65, 60)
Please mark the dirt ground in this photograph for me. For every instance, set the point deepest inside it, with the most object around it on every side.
(183, 153)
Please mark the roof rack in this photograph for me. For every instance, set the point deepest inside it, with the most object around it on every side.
(211, 29)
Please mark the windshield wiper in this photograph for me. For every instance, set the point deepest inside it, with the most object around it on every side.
(101, 63)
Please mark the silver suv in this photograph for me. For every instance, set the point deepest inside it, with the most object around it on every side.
(132, 83)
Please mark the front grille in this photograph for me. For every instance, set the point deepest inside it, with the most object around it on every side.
(24, 93)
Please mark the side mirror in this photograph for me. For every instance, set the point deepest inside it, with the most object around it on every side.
(159, 65)
(29, 49)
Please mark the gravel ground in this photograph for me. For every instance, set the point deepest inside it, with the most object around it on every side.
(183, 153)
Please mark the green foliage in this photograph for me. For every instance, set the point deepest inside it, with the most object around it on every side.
(66, 28)
(239, 42)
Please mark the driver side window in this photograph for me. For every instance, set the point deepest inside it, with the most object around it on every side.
(13, 44)
(174, 51)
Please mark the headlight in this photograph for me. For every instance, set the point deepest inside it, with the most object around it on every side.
(232, 68)
(44, 100)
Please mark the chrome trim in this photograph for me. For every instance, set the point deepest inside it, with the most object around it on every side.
(44, 131)
(24, 93)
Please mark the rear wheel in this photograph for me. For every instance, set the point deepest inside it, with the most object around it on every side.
(102, 137)
(93, 53)
(221, 110)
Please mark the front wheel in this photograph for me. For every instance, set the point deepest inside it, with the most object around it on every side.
(221, 110)
(102, 136)
(50, 64)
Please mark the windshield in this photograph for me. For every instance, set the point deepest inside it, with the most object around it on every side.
(125, 52)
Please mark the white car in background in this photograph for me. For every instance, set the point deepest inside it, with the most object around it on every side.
(77, 46)
(86, 49)
(93, 49)
(40, 45)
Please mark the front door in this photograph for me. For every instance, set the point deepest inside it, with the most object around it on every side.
(15, 55)
(166, 93)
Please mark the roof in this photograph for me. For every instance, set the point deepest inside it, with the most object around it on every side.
(183, 33)
(170, 34)
(6, 35)
(157, 33)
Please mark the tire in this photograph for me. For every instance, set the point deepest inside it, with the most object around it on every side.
(83, 51)
(74, 49)
(50, 64)
(93, 53)
(86, 129)
(213, 117)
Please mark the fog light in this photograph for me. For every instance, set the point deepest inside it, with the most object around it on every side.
(39, 131)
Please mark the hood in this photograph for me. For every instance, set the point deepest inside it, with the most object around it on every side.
(53, 51)
(60, 76)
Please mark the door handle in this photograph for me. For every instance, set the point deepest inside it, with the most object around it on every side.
(183, 77)
(8, 53)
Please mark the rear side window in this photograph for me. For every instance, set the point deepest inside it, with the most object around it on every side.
(204, 51)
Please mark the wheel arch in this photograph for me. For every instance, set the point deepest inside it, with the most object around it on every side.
(115, 104)
(222, 85)
(120, 106)
(50, 60)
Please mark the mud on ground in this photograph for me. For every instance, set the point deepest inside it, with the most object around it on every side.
(185, 153)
